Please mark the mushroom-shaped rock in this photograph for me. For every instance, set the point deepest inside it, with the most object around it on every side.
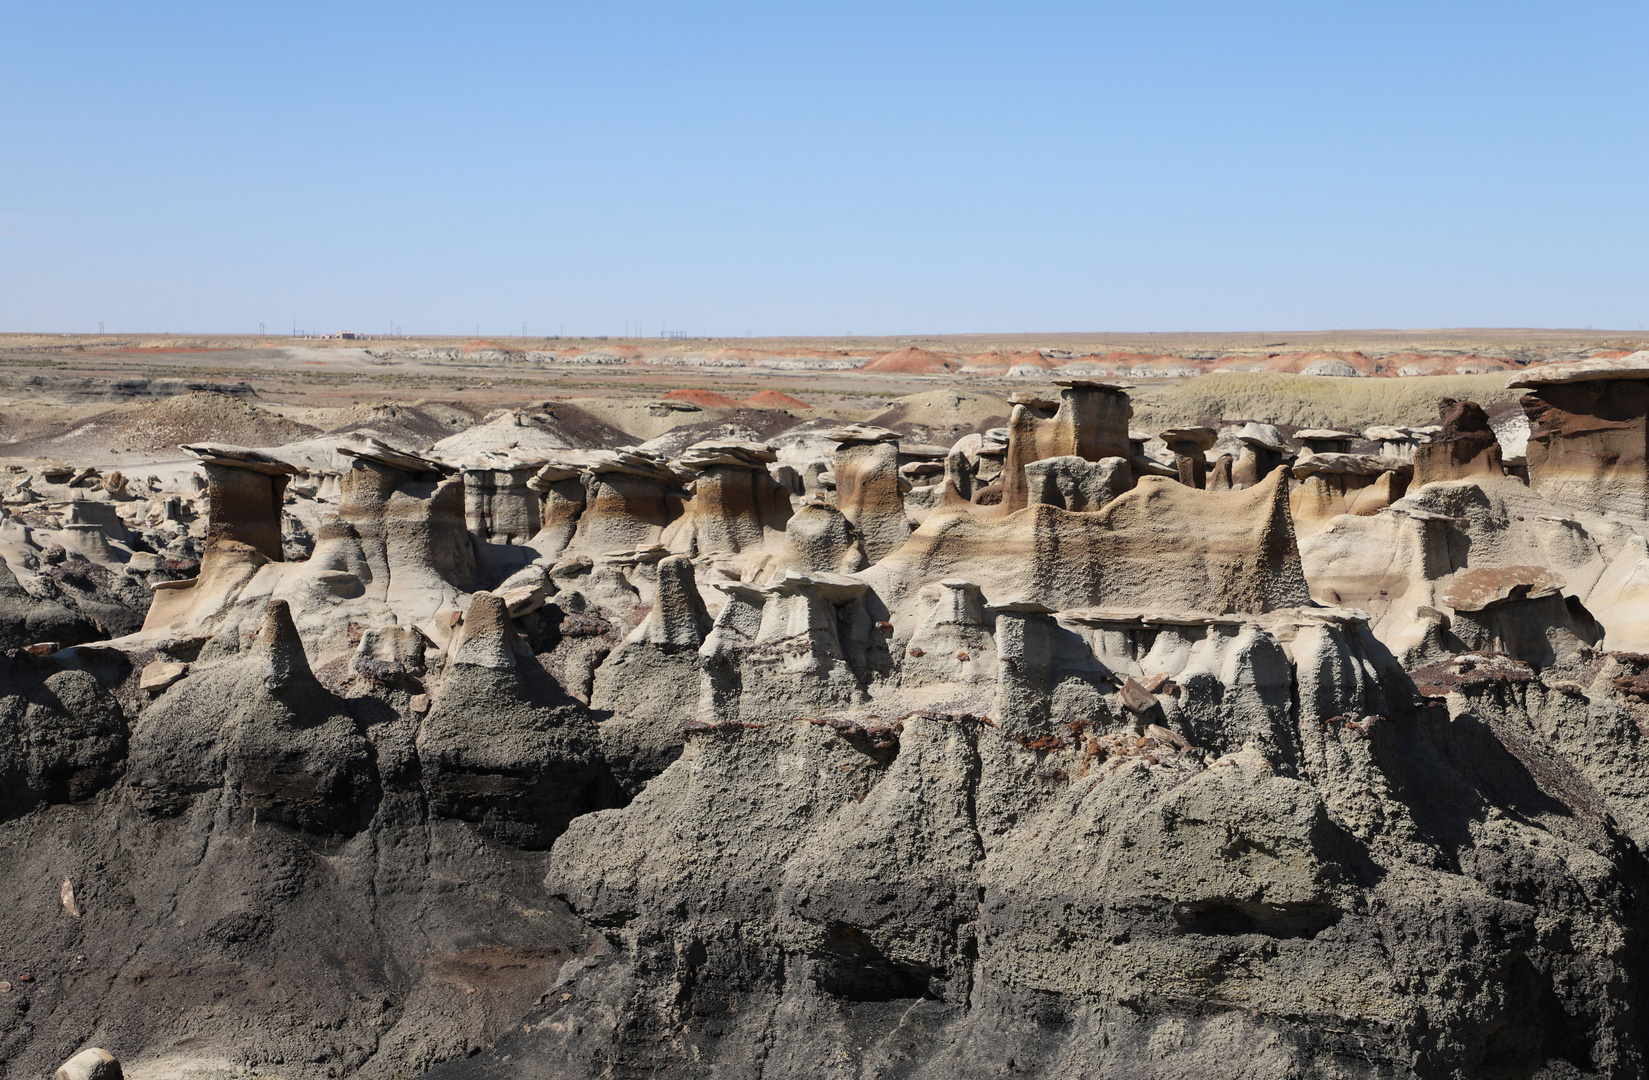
(1263, 450)
(810, 647)
(1026, 643)
(1397, 442)
(735, 504)
(650, 683)
(1326, 440)
(1588, 445)
(1516, 610)
(408, 517)
(628, 501)
(244, 491)
(1190, 446)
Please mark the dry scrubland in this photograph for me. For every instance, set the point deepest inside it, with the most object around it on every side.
(1312, 401)
(72, 396)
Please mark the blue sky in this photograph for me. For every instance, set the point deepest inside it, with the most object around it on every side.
(873, 168)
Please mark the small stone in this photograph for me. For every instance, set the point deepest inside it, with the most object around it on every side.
(1136, 697)
(160, 674)
(1154, 683)
(1170, 738)
(419, 703)
(5, 987)
(525, 600)
(92, 1063)
(173, 646)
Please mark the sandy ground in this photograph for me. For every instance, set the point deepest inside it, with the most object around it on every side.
(116, 401)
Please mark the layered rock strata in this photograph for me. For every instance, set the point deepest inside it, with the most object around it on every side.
(616, 763)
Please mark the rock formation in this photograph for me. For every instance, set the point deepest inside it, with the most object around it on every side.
(1039, 753)
(1589, 436)
(1090, 423)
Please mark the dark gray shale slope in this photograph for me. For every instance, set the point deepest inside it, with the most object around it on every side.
(267, 873)
(302, 878)
(1442, 894)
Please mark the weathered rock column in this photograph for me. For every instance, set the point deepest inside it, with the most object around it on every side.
(1465, 449)
(735, 504)
(499, 505)
(1190, 446)
(1025, 632)
(869, 490)
(1090, 423)
(1262, 451)
(1589, 433)
(244, 492)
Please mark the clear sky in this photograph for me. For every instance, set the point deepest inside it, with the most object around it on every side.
(793, 168)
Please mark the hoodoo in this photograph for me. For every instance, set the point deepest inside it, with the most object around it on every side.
(1050, 749)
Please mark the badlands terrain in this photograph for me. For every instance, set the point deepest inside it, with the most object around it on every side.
(1068, 706)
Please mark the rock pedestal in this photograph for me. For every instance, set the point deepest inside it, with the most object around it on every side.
(1190, 446)
(244, 491)
(1090, 423)
(870, 492)
(1589, 433)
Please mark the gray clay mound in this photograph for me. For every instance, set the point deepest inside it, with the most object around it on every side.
(943, 416)
(417, 424)
(409, 427)
(556, 427)
(158, 426)
(758, 425)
